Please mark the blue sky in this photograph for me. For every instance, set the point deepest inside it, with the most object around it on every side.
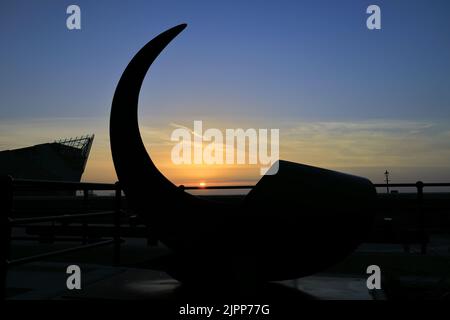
(269, 62)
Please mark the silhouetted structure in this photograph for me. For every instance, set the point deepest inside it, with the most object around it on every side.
(62, 160)
(386, 175)
(295, 223)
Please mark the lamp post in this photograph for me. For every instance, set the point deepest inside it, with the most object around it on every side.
(386, 174)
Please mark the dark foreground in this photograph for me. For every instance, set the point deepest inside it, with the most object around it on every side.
(404, 276)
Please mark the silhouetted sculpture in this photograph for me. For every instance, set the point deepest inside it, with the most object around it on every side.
(294, 223)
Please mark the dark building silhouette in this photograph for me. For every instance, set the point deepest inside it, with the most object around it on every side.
(62, 160)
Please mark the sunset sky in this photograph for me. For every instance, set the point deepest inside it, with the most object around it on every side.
(342, 96)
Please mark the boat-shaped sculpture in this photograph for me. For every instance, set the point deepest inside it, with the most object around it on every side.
(294, 223)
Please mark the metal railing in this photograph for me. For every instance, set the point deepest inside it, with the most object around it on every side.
(9, 185)
(419, 186)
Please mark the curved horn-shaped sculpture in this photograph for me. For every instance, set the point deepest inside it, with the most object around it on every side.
(294, 223)
(132, 163)
(145, 187)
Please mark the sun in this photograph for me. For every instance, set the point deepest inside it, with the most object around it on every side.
(202, 184)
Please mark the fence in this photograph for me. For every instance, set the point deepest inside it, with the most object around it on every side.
(9, 185)
(419, 186)
(8, 221)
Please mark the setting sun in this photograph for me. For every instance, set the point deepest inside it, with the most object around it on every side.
(202, 184)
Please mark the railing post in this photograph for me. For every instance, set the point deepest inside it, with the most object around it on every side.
(6, 202)
(117, 216)
(422, 227)
(84, 222)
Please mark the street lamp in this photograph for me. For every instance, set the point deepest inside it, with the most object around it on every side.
(386, 174)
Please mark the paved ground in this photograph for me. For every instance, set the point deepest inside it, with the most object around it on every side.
(47, 280)
(405, 275)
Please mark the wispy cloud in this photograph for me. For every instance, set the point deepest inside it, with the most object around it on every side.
(331, 144)
(368, 143)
